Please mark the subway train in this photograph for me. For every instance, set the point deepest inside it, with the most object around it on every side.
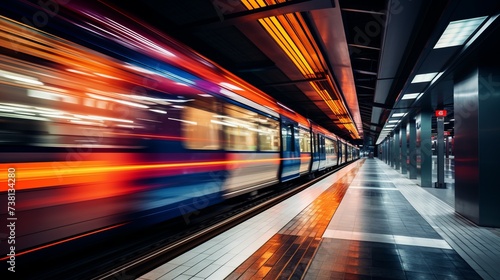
(106, 122)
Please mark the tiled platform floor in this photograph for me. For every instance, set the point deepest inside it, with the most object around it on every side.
(383, 227)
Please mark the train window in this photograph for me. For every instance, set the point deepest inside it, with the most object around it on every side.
(269, 139)
(305, 141)
(287, 135)
(329, 146)
(199, 130)
(240, 127)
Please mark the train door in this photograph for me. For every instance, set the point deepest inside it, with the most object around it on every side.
(290, 150)
(340, 144)
(315, 152)
(322, 152)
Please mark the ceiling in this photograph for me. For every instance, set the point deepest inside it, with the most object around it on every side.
(364, 54)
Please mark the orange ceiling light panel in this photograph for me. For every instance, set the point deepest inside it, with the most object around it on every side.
(289, 33)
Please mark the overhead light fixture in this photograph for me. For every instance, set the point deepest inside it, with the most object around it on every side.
(398, 115)
(393, 121)
(481, 30)
(291, 34)
(409, 96)
(458, 32)
(422, 78)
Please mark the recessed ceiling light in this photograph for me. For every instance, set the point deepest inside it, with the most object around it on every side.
(422, 78)
(410, 96)
(393, 121)
(458, 32)
(397, 115)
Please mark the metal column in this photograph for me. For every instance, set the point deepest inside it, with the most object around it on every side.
(403, 141)
(424, 147)
(440, 153)
(397, 150)
(476, 103)
(412, 138)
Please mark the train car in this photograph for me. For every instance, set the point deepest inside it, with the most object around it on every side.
(306, 149)
(108, 123)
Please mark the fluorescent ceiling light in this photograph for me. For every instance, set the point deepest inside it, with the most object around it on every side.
(458, 32)
(397, 115)
(393, 121)
(481, 30)
(422, 78)
(410, 96)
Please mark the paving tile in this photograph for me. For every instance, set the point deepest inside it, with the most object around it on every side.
(376, 224)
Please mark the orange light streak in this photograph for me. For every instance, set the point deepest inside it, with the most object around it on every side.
(287, 32)
(47, 174)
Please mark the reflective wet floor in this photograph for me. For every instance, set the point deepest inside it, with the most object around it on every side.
(377, 234)
(365, 222)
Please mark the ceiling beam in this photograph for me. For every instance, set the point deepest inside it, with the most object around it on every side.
(365, 87)
(362, 11)
(255, 14)
(363, 47)
(293, 82)
(365, 72)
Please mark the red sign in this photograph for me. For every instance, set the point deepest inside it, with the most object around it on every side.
(441, 113)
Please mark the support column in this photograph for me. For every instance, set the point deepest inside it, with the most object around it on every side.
(388, 149)
(391, 147)
(477, 102)
(423, 124)
(397, 150)
(440, 153)
(412, 140)
(447, 145)
(402, 141)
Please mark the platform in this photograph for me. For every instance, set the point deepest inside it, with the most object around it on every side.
(366, 221)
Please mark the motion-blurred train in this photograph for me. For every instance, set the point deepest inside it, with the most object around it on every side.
(109, 122)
